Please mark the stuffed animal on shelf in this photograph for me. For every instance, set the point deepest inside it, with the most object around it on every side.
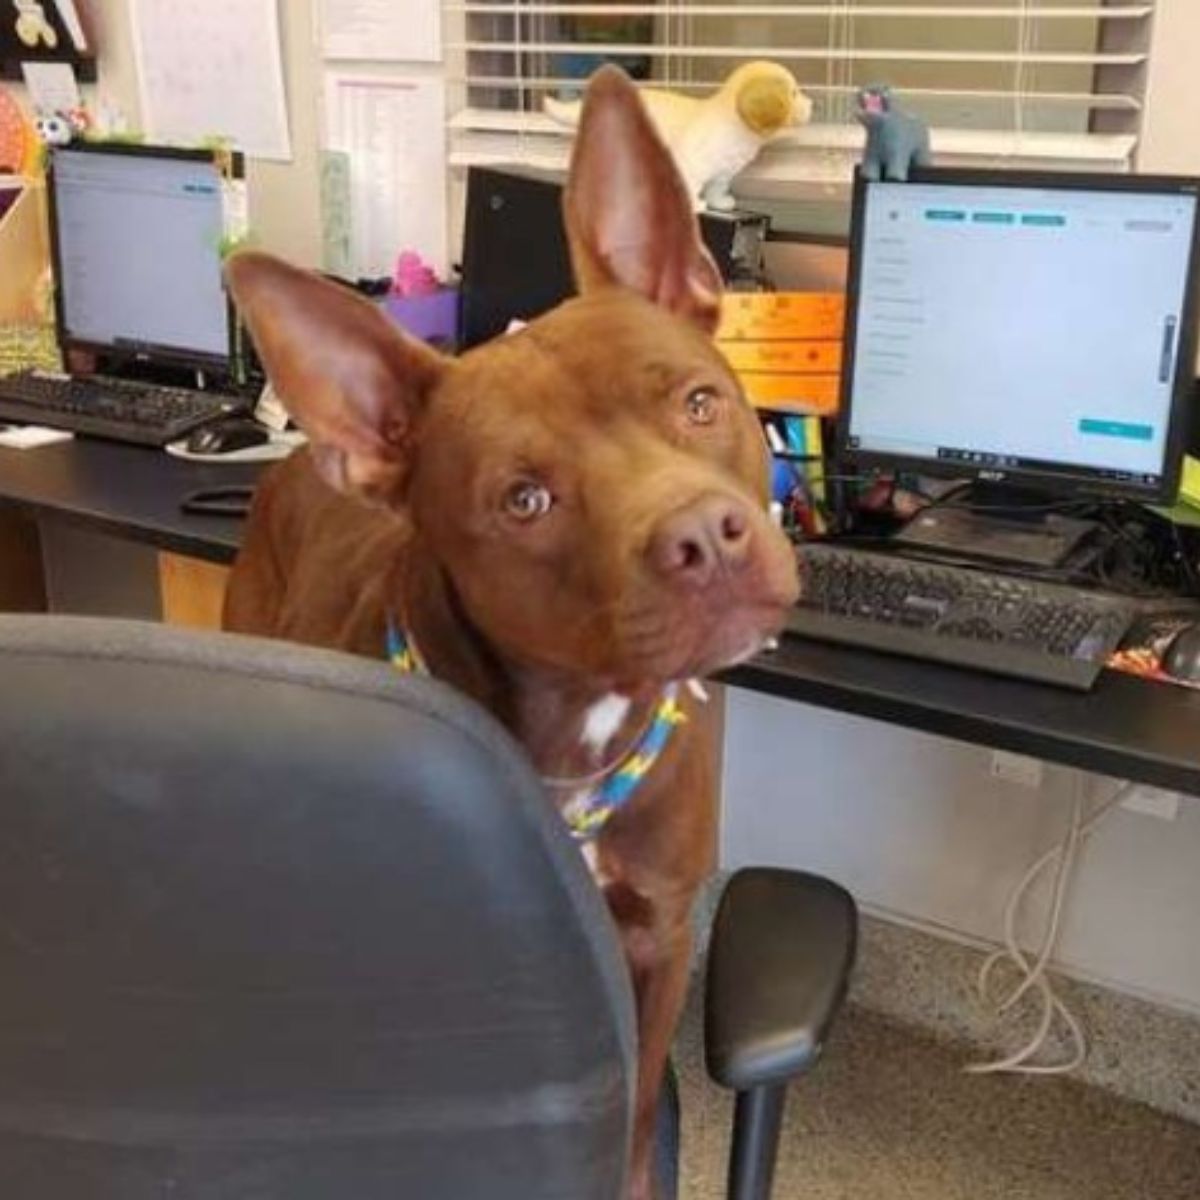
(896, 140)
(32, 27)
(54, 128)
(62, 127)
(714, 137)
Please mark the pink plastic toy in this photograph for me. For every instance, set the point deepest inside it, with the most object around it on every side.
(413, 277)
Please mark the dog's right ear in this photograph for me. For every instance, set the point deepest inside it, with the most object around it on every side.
(351, 380)
(630, 220)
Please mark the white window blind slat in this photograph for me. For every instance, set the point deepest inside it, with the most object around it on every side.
(840, 137)
(1129, 12)
(805, 170)
(1092, 100)
(793, 53)
(1024, 82)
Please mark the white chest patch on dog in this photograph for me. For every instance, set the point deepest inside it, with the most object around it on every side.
(591, 856)
(602, 721)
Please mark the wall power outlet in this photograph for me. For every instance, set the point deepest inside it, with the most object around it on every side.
(1151, 802)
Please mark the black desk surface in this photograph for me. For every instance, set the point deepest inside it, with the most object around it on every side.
(126, 491)
(1128, 728)
(1125, 727)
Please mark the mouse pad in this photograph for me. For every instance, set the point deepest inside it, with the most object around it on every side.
(1145, 646)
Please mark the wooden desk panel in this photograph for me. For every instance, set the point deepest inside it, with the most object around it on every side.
(22, 580)
(192, 590)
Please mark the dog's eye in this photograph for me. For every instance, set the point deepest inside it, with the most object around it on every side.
(701, 406)
(527, 500)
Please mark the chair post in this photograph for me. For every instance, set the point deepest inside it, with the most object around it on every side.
(757, 1120)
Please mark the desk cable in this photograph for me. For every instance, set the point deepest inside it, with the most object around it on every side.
(1032, 970)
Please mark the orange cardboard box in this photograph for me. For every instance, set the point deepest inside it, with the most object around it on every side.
(812, 395)
(800, 357)
(770, 316)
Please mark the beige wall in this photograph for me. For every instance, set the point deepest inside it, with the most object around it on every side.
(1171, 123)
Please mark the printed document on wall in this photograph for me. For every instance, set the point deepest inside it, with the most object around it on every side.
(381, 30)
(211, 69)
(393, 130)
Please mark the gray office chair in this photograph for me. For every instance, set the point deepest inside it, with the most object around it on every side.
(280, 924)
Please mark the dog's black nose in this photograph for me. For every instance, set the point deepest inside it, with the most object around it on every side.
(698, 542)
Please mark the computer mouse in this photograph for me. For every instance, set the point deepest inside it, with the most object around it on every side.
(224, 437)
(1182, 657)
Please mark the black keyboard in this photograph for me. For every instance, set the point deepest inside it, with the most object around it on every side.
(124, 410)
(1003, 624)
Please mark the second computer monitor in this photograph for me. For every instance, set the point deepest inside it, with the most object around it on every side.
(1035, 329)
(136, 233)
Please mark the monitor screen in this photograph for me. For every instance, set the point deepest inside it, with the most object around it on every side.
(137, 237)
(1014, 327)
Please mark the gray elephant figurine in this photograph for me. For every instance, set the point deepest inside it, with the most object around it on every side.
(896, 140)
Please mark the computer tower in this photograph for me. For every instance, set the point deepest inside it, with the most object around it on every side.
(515, 260)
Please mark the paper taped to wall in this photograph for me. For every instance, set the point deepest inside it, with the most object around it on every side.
(381, 30)
(212, 69)
(52, 86)
(392, 128)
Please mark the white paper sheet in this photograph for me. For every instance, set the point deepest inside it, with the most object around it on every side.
(393, 130)
(30, 437)
(212, 69)
(381, 30)
(52, 86)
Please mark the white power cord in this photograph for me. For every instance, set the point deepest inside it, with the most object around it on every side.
(1032, 972)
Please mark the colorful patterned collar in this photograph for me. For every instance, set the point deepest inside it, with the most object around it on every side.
(596, 798)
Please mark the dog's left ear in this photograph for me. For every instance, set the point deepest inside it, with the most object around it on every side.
(629, 217)
(353, 382)
(765, 104)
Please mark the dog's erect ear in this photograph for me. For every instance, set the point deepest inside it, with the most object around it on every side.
(630, 220)
(351, 380)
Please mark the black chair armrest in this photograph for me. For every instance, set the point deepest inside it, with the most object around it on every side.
(782, 948)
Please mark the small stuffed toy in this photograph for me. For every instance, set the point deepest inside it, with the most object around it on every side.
(32, 27)
(896, 140)
(54, 129)
(413, 276)
(714, 137)
(61, 128)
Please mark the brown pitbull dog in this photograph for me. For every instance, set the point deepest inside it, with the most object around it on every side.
(566, 523)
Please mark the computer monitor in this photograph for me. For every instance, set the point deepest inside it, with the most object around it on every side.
(136, 239)
(1037, 330)
(516, 264)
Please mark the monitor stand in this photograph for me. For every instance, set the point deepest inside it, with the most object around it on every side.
(997, 525)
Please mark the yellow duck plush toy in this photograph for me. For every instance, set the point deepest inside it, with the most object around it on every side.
(714, 137)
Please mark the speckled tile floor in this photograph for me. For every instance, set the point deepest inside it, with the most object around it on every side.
(889, 1115)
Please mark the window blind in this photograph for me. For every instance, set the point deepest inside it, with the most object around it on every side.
(1001, 82)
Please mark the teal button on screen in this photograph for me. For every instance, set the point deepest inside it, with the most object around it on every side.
(994, 218)
(1054, 220)
(1117, 429)
(945, 214)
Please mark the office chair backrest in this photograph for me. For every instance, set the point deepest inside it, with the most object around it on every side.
(279, 923)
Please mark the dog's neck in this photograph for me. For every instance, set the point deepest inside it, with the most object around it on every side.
(571, 726)
(574, 727)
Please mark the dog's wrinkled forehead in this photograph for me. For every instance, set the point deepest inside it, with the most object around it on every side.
(612, 352)
(614, 335)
